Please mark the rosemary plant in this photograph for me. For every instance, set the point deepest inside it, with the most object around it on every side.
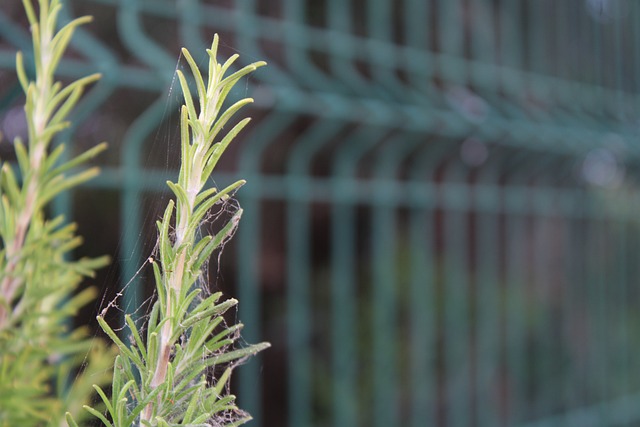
(177, 373)
(38, 283)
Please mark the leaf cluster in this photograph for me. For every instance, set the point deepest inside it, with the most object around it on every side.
(177, 372)
(38, 281)
(192, 393)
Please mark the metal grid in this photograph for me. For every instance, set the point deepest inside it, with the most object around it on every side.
(440, 221)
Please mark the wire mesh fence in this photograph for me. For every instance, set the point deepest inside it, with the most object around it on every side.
(440, 219)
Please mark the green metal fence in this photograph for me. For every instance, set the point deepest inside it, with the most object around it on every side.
(440, 224)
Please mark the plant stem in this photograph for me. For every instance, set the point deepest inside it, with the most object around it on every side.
(37, 154)
(176, 273)
(180, 253)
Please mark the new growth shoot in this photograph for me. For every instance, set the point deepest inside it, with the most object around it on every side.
(168, 377)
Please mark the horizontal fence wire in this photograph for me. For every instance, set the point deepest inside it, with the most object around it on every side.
(440, 222)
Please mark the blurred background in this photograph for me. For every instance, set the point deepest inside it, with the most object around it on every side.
(441, 216)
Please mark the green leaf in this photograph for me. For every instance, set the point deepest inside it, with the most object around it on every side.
(226, 403)
(37, 57)
(205, 195)
(104, 398)
(152, 324)
(208, 302)
(83, 298)
(51, 160)
(204, 313)
(188, 385)
(223, 339)
(80, 159)
(166, 250)
(202, 92)
(184, 304)
(201, 330)
(142, 404)
(117, 379)
(29, 10)
(225, 86)
(152, 350)
(224, 118)
(158, 278)
(228, 229)
(222, 381)
(122, 395)
(50, 131)
(238, 354)
(185, 144)
(212, 160)
(49, 11)
(64, 110)
(228, 63)
(22, 156)
(168, 390)
(97, 415)
(187, 96)
(204, 207)
(22, 75)
(239, 422)
(88, 266)
(61, 40)
(10, 184)
(56, 186)
(121, 346)
(213, 63)
(194, 404)
(8, 223)
(136, 335)
(70, 421)
(180, 193)
(65, 93)
(197, 249)
(232, 79)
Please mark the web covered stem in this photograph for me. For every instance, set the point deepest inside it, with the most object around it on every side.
(184, 256)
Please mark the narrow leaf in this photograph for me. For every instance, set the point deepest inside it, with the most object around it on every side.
(121, 346)
(70, 421)
(239, 354)
(224, 118)
(212, 161)
(97, 415)
(22, 74)
(80, 159)
(202, 92)
(187, 96)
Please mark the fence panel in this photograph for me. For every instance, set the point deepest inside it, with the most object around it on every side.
(440, 220)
